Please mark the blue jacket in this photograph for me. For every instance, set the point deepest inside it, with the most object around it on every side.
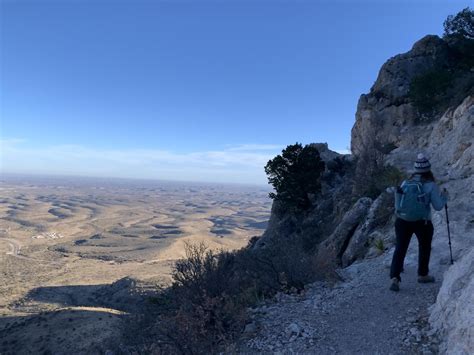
(432, 191)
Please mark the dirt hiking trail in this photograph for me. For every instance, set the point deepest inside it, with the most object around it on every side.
(358, 315)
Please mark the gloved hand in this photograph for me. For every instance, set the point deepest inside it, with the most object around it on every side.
(445, 194)
(391, 189)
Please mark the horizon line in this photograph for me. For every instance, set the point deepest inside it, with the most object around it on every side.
(11, 174)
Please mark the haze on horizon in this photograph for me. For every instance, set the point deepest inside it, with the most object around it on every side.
(193, 91)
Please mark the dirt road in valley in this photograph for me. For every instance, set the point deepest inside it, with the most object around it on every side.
(15, 249)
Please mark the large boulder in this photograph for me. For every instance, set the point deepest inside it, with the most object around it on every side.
(394, 78)
(380, 212)
(332, 248)
(453, 313)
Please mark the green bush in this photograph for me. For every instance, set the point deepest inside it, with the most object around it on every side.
(340, 166)
(428, 91)
(372, 176)
(381, 177)
(435, 90)
(460, 25)
(379, 245)
(295, 175)
(462, 53)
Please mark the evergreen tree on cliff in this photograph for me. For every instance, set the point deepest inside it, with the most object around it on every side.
(461, 25)
(296, 175)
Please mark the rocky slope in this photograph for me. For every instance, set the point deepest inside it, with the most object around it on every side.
(350, 232)
(449, 143)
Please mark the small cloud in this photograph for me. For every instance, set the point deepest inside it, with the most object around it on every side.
(11, 142)
(256, 147)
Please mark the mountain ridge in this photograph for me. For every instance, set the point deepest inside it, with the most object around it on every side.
(389, 123)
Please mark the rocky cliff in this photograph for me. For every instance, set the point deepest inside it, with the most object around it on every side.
(327, 208)
(448, 140)
(387, 114)
(349, 229)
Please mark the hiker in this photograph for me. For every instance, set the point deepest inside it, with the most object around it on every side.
(413, 211)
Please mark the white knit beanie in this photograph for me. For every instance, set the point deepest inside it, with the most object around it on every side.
(422, 164)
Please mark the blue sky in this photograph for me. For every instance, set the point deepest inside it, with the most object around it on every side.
(190, 90)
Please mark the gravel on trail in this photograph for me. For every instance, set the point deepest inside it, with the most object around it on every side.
(357, 315)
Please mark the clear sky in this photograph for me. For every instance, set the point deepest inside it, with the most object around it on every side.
(190, 90)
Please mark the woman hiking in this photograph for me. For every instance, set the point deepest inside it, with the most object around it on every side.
(412, 208)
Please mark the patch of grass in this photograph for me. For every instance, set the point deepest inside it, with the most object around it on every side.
(379, 245)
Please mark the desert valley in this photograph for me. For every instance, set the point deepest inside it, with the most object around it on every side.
(64, 242)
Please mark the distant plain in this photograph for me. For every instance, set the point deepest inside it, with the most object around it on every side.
(63, 239)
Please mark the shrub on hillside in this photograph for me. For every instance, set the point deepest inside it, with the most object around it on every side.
(435, 90)
(428, 91)
(372, 176)
(340, 166)
(385, 176)
(460, 25)
(206, 306)
(372, 179)
(295, 175)
(459, 34)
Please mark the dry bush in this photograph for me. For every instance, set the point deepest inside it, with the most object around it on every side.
(285, 265)
(205, 309)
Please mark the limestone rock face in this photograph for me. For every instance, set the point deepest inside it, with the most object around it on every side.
(447, 142)
(453, 313)
(334, 246)
(366, 233)
(324, 151)
(450, 147)
(386, 111)
(451, 143)
(395, 75)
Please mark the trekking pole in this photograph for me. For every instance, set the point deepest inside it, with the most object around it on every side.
(449, 233)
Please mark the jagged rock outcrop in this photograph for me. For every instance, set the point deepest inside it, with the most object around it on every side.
(394, 78)
(386, 114)
(324, 151)
(366, 234)
(333, 247)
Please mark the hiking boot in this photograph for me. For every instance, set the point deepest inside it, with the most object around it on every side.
(394, 286)
(426, 279)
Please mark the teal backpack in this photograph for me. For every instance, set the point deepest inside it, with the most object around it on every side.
(411, 202)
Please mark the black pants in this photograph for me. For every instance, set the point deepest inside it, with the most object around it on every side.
(404, 230)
